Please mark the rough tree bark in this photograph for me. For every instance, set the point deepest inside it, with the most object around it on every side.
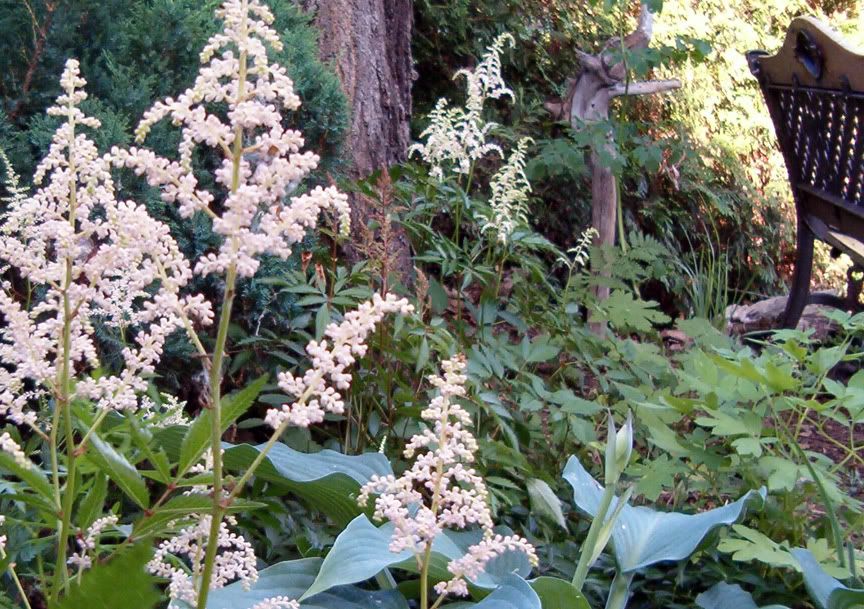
(369, 44)
(603, 78)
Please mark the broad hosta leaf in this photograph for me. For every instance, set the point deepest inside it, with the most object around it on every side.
(362, 551)
(513, 593)
(642, 536)
(826, 592)
(121, 472)
(99, 587)
(197, 437)
(328, 480)
(556, 593)
(292, 579)
(729, 596)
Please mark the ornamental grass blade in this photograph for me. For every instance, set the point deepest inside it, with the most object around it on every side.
(826, 592)
(329, 481)
(292, 578)
(642, 536)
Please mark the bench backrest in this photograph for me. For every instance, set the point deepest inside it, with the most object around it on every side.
(814, 89)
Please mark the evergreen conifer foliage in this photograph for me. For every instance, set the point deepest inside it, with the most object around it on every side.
(132, 53)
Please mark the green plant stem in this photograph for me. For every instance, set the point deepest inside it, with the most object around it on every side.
(593, 533)
(218, 510)
(619, 592)
(219, 350)
(83, 443)
(11, 570)
(64, 390)
(424, 577)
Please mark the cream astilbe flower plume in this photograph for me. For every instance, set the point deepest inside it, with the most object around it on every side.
(96, 258)
(456, 136)
(258, 214)
(331, 358)
(441, 490)
(510, 191)
(181, 560)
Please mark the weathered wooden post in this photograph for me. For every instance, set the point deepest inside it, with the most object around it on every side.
(603, 78)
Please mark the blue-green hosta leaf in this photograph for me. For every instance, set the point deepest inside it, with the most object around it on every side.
(328, 480)
(642, 536)
(513, 593)
(557, 593)
(826, 592)
(729, 596)
(292, 578)
(362, 551)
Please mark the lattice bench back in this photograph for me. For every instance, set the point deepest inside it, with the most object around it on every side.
(814, 89)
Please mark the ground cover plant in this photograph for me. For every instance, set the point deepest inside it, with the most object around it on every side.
(214, 394)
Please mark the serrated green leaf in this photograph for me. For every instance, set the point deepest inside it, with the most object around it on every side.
(625, 312)
(197, 437)
(752, 545)
(118, 468)
(99, 587)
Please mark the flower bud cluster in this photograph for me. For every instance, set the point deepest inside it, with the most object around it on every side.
(277, 602)
(235, 106)
(181, 559)
(87, 542)
(440, 490)
(11, 447)
(330, 359)
(98, 260)
(457, 136)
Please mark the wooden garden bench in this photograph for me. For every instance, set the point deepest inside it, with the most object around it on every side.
(814, 89)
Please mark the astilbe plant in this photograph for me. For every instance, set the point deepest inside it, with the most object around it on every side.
(90, 258)
(74, 256)
(442, 491)
(235, 108)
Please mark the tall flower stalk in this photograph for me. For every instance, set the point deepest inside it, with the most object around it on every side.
(94, 260)
(262, 164)
(441, 490)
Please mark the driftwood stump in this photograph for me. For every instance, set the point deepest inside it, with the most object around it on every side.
(604, 77)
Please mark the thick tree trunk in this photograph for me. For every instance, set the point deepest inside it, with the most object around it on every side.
(369, 44)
